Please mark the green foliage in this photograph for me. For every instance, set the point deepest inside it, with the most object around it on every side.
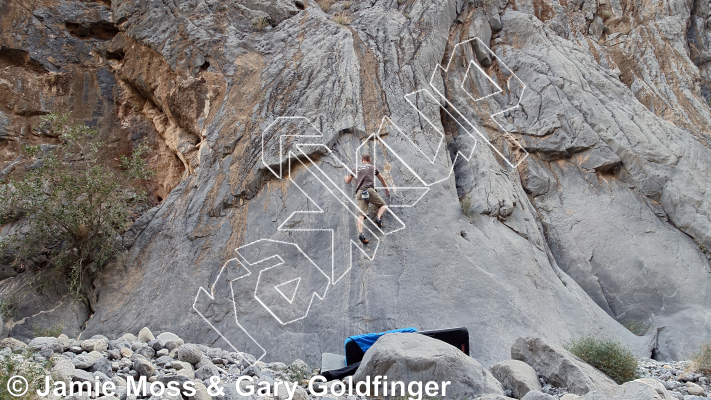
(53, 331)
(341, 19)
(75, 208)
(135, 165)
(467, 205)
(610, 357)
(296, 373)
(637, 327)
(562, 280)
(8, 307)
(325, 4)
(260, 23)
(702, 360)
(22, 365)
(605, 14)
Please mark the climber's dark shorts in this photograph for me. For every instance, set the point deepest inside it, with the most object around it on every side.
(374, 199)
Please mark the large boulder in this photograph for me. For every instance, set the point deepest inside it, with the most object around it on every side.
(410, 357)
(560, 367)
(41, 343)
(640, 389)
(516, 376)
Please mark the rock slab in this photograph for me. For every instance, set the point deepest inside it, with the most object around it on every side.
(641, 389)
(516, 376)
(410, 357)
(560, 367)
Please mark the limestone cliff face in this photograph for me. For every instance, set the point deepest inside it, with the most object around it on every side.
(591, 213)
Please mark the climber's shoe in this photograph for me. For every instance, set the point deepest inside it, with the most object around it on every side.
(363, 239)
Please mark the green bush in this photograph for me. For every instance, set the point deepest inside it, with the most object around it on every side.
(21, 364)
(51, 331)
(8, 306)
(260, 23)
(702, 360)
(637, 327)
(610, 357)
(73, 206)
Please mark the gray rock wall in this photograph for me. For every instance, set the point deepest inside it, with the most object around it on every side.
(593, 211)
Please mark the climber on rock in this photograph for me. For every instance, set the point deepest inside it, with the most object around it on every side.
(366, 194)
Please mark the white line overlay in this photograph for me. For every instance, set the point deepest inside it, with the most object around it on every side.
(285, 288)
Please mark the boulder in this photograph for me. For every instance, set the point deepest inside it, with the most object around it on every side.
(640, 389)
(206, 371)
(63, 370)
(146, 351)
(143, 367)
(538, 395)
(163, 361)
(41, 343)
(171, 345)
(205, 360)
(201, 392)
(278, 366)
(560, 367)
(12, 343)
(189, 353)
(165, 337)
(694, 389)
(155, 344)
(82, 376)
(83, 361)
(178, 365)
(658, 386)
(102, 364)
(65, 341)
(119, 381)
(494, 397)
(410, 357)
(516, 376)
(187, 373)
(300, 394)
(95, 345)
(145, 335)
(570, 396)
(126, 352)
(129, 338)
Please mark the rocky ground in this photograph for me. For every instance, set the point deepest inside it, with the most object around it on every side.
(163, 359)
(676, 377)
(166, 358)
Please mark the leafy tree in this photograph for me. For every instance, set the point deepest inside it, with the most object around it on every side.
(73, 207)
